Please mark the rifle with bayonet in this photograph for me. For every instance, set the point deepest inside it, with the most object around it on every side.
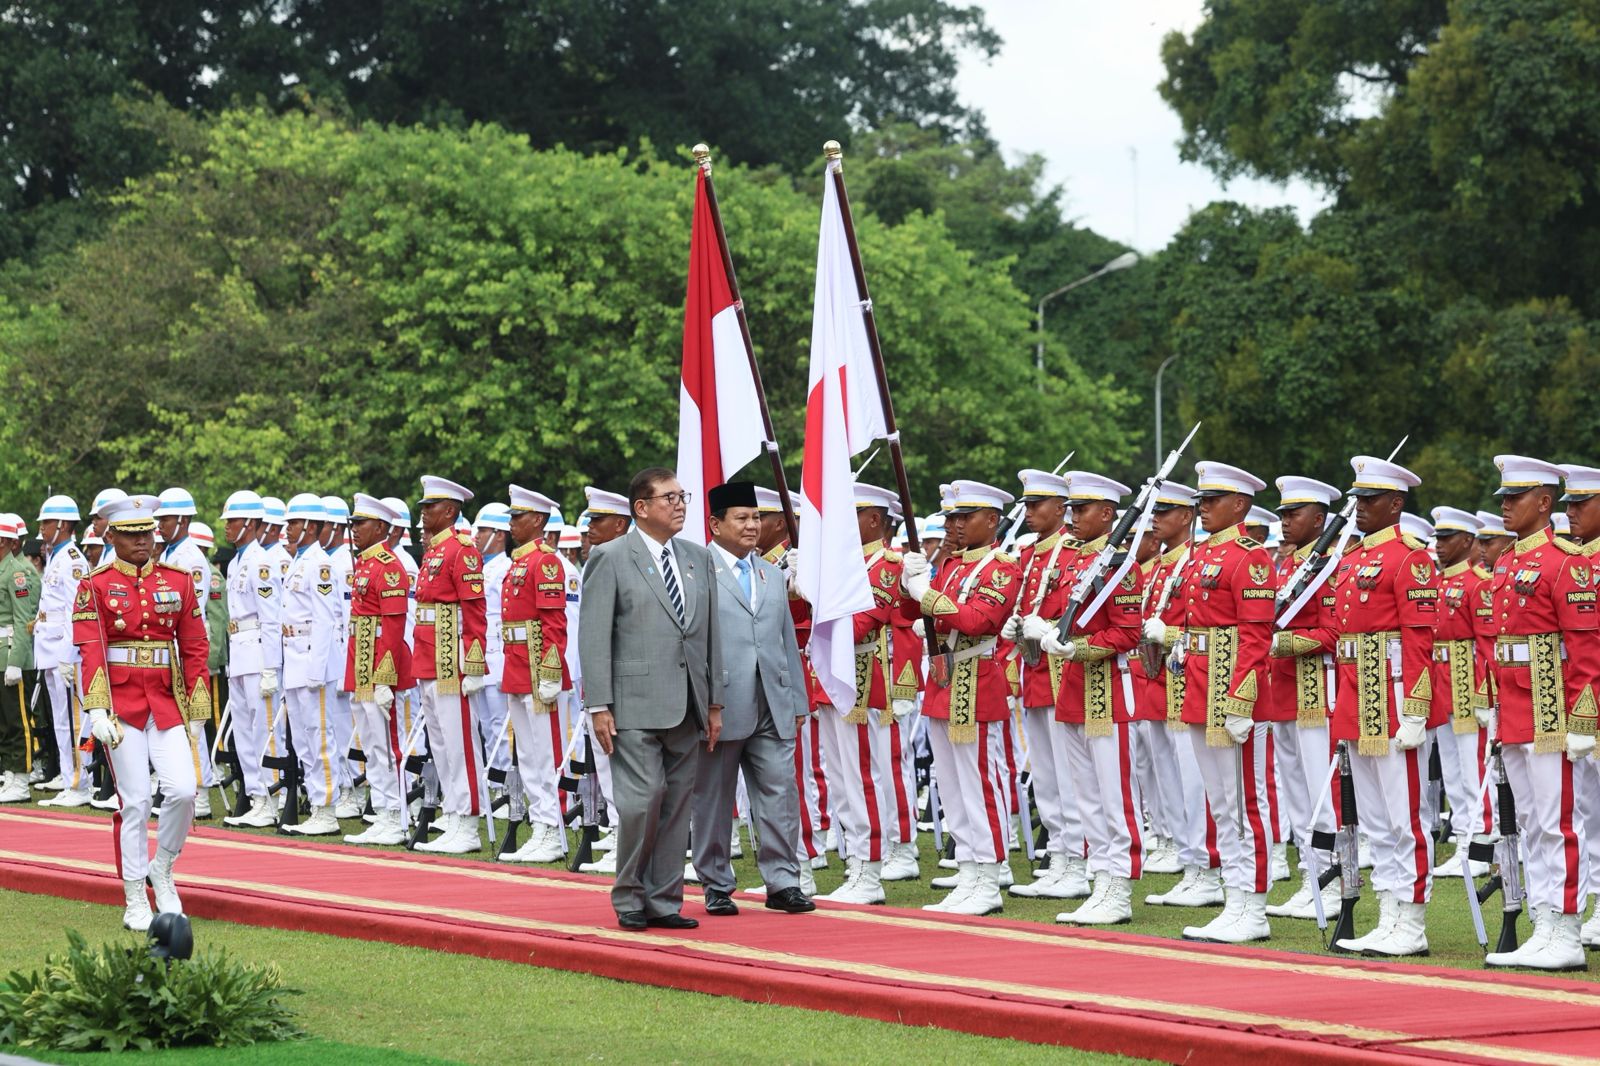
(588, 811)
(1113, 560)
(1506, 855)
(1346, 855)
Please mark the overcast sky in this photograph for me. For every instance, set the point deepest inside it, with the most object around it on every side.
(1076, 82)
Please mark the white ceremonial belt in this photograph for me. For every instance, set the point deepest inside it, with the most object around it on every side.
(869, 646)
(426, 614)
(299, 629)
(243, 625)
(5, 632)
(1516, 649)
(984, 650)
(138, 655)
(514, 633)
(1199, 643)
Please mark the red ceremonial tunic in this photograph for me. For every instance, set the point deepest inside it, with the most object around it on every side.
(1045, 588)
(1386, 592)
(378, 655)
(968, 604)
(142, 635)
(1547, 642)
(1096, 684)
(1162, 696)
(452, 620)
(1229, 591)
(1458, 666)
(533, 619)
(1302, 654)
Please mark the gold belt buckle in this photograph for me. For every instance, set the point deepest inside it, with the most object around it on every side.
(144, 656)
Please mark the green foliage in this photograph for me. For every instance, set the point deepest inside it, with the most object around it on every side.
(117, 997)
(298, 303)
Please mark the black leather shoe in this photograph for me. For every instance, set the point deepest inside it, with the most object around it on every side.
(789, 900)
(632, 920)
(720, 903)
(672, 921)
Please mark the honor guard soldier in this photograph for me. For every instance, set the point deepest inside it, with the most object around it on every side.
(1460, 664)
(856, 742)
(491, 532)
(1493, 538)
(309, 622)
(255, 654)
(1302, 688)
(1045, 565)
(378, 663)
(533, 629)
(1547, 672)
(1095, 704)
(1583, 512)
(449, 661)
(1180, 794)
(1228, 607)
(1386, 592)
(142, 636)
(64, 567)
(19, 590)
(341, 720)
(216, 605)
(174, 518)
(966, 703)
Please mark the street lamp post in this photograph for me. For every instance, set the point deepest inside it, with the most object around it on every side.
(1160, 370)
(1121, 262)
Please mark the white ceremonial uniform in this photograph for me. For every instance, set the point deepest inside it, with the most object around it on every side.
(308, 620)
(255, 643)
(57, 657)
(185, 554)
(489, 703)
(341, 718)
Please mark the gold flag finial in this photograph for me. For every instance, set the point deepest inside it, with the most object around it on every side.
(832, 150)
(702, 155)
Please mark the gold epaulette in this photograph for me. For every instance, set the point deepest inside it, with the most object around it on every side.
(1247, 543)
(891, 556)
(465, 540)
(1412, 542)
(1005, 557)
(383, 555)
(102, 566)
(175, 569)
(1567, 546)
(1482, 571)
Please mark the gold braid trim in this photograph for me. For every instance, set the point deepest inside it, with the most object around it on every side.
(1419, 703)
(1097, 696)
(364, 650)
(1222, 651)
(1462, 696)
(199, 709)
(1084, 651)
(97, 696)
(936, 603)
(1310, 691)
(1548, 692)
(857, 715)
(446, 639)
(1581, 717)
(1174, 690)
(1372, 693)
(964, 696)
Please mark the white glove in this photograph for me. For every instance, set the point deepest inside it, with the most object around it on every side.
(1012, 629)
(269, 683)
(790, 565)
(916, 585)
(1413, 730)
(913, 564)
(383, 696)
(1034, 627)
(1053, 644)
(13, 676)
(104, 728)
(1486, 717)
(197, 729)
(901, 709)
(1579, 746)
(1155, 630)
(1238, 727)
(473, 684)
(548, 691)
(920, 628)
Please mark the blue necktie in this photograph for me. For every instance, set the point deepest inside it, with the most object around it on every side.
(743, 566)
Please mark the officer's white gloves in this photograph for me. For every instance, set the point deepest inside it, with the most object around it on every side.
(1413, 730)
(473, 684)
(1012, 629)
(104, 728)
(1579, 746)
(1052, 643)
(1238, 727)
(914, 563)
(920, 628)
(1155, 630)
(1034, 628)
(548, 691)
(1486, 717)
(901, 709)
(914, 583)
(269, 683)
(13, 676)
(197, 729)
(383, 696)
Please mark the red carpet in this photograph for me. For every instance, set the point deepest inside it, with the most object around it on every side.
(1100, 991)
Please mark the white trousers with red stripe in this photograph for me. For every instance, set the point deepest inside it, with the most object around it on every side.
(811, 783)
(311, 721)
(1586, 789)
(169, 753)
(972, 789)
(1235, 780)
(861, 780)
(1389, 798)
(539, 744)
(1102, 774)
(1458, 761)
(457, 754)
(1552, 853)
(900, 769)
(1180, 795)
(1053, 794)
(489, 708)
(1304, 753)
(380, 740)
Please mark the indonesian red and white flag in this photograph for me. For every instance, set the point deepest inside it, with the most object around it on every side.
(719, 416)
(844, 414)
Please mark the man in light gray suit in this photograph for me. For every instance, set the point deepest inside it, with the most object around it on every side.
(653, 681)
(766, 697)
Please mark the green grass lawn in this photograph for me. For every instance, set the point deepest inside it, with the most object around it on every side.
(368, 1002)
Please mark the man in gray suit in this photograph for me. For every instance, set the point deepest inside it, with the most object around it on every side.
(765, 698)
(653, 680)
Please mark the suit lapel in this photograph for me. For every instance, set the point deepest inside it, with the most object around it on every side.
(650, 568)
(689, 578)
(730, 582)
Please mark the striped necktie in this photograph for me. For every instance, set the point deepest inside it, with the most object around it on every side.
(670, 578)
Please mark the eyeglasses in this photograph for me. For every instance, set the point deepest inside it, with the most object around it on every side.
(674, 498)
